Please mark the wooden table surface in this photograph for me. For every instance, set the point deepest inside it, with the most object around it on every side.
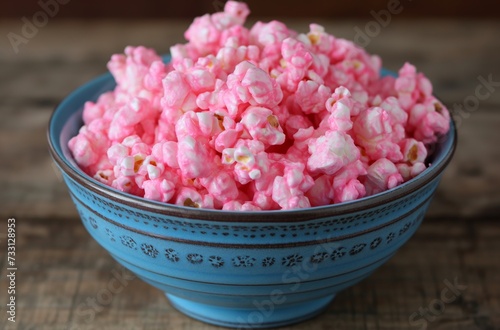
(61, 271)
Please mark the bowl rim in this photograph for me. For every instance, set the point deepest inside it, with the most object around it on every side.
(281, 216)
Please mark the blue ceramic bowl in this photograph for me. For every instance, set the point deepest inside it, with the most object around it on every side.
(243, 269)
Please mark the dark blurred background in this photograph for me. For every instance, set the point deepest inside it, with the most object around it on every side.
(280, 8)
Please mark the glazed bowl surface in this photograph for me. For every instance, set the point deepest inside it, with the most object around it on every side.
(243, 269)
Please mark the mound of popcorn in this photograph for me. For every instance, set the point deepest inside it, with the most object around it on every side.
(264, 118)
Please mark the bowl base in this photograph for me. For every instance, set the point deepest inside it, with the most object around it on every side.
(251, 318)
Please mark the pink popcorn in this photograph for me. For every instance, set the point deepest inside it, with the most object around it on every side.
(319, 40)
(410, 171)
(238, 206)
(382, 175)
(255, 146)
(311, 96)
(200, 80)
(269, 34)
(264, 200)
(382, 88)
(221, 186)
(98, 130)
(249, 84)
(228, 138)
(165, 129)
(417, 168)
(428, 117)
(234, 37)
(89, 146)
(131, 159)
(203, 124)
(294, 123)
(93, 111)
(262, 187)
(285, 197)
(397, 115)
(130, 119)
(412, 87)
(339, 106)
(330, 152)
(248, 164)
(319, 68)
(296, 178)
(158, 189)
(212, 100)
(321, 193)
(151, 168)
(130, 70)
(153, 79)
(195, 158)
(351, 191)
(246, 120)
(129, 165)
(229, 57)
(138, 147)
(376, 132)
(192, 198)
(268, 37)
(203, 35)
(83, 150)
(289, 190)
(429, 120)
(296, 62)
(263, 125)
(179, 52)
(236, 11)
(413, 151)
(346, 184)
(299, 150)
(133, 140)
(205, 32)
(117, 152)
(352, 61)
(105, 176)
(178, 93)
(166, 152)
(124, 184)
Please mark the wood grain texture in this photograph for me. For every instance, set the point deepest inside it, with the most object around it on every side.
(61, 270)
(61, 267)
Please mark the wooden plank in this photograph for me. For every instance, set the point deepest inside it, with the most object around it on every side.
(57, 277)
